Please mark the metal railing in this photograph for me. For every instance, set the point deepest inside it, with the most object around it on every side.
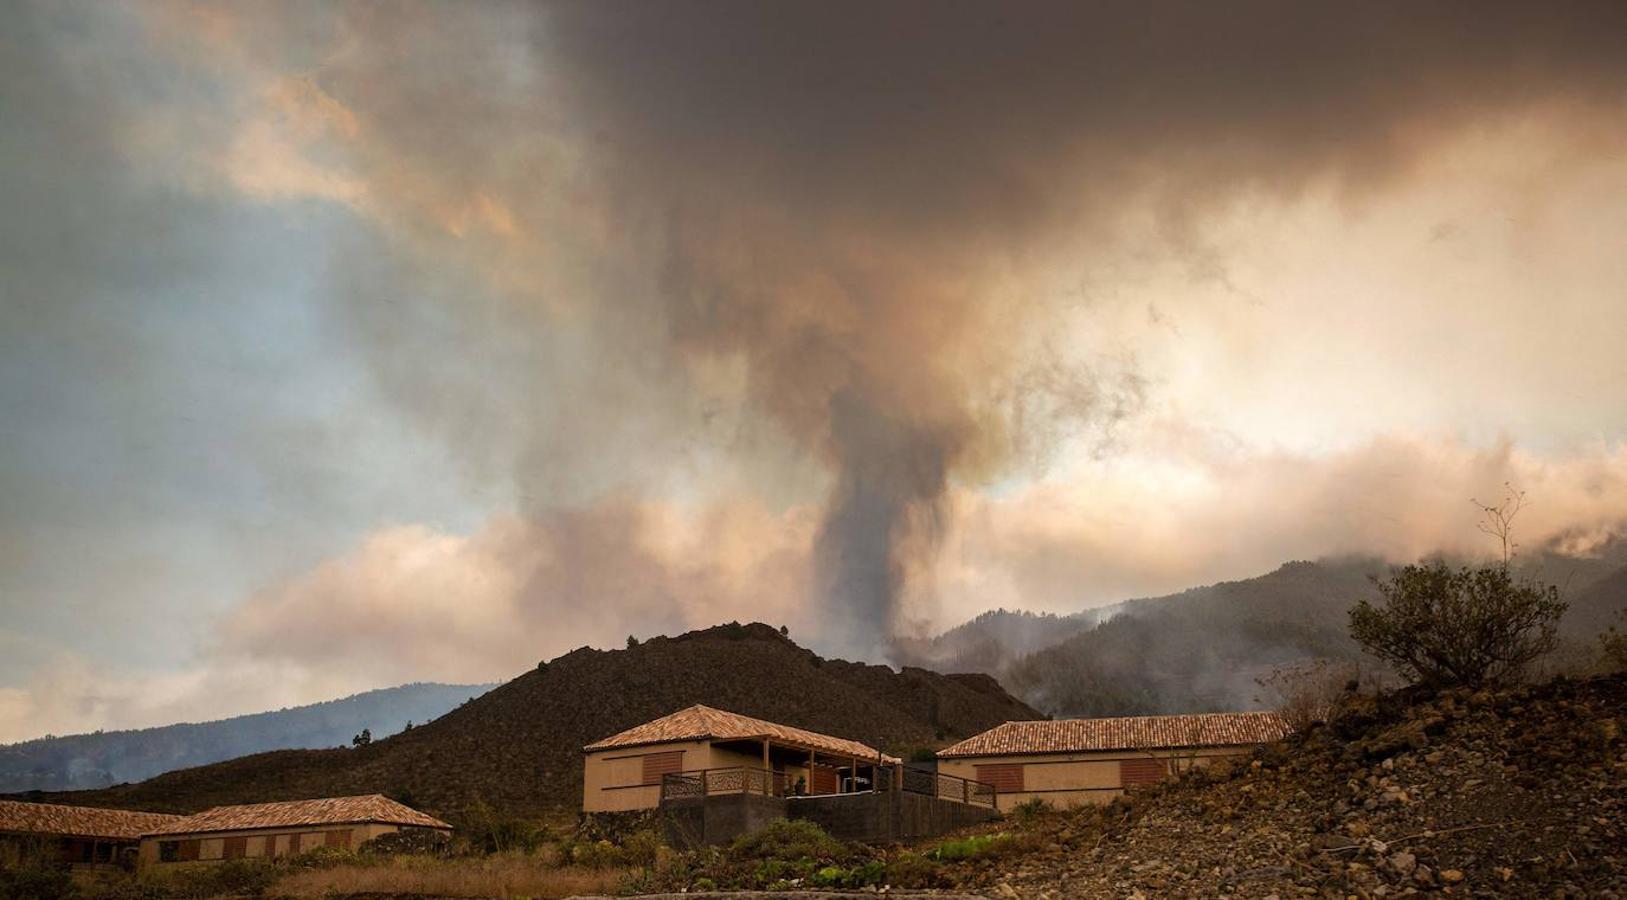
(728, 780)
(948, 787)
(699, 783)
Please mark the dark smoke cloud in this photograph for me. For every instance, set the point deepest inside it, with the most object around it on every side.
(855, 202)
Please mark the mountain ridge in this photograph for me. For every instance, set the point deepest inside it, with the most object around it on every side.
(516, 750)
(105, 758)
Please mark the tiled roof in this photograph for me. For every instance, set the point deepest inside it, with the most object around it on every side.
(78, 821)
(1126, 733)
(703, 722)
(296, 813)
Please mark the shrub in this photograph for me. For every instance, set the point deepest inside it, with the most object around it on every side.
(502, 835)
(642, 847)
(1032, 808)
(912, 870)
(411, 842)
(36, 883)
(600, 854)
(234, 878)
(969, 847)
(1306, 693)
(1469, 627)
(789, 840)
(1613, 646)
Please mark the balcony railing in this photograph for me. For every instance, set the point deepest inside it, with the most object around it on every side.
(747, 780)
(729, 780)
(948, 787)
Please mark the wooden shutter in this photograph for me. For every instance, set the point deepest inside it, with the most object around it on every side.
(339, 839)
(1007, 778)
(658, 764)
(270, 846)
(1142, 771)
(824, 781)
(235, 848)
(189, 850)
(293, 844)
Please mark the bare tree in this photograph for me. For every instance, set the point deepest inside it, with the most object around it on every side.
(1498, 521)
(1308, 692)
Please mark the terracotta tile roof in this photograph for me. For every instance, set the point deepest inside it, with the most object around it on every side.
(1125, 733)
(79, 821)
(703, 722)
(296, 813)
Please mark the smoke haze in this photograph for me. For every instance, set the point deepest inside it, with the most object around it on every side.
(490, 331)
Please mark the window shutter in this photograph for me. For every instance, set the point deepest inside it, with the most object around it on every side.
(658, 764)
(339, 839)
(1142, 771)
(1007, 778)
(235, 848)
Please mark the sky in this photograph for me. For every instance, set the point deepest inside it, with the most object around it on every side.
(350, 344)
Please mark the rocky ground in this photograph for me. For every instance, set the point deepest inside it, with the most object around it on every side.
(1520, 793)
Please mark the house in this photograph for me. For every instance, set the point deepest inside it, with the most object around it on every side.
(1075, 761)
(715, 775)
(77, 835)
(624, 771)
(280, 829)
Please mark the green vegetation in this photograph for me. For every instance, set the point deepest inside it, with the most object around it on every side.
(971, 846)
(1444, 626)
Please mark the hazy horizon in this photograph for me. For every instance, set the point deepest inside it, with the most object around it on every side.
(345, 345)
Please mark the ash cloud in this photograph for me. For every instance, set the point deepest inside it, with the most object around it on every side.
(805, 252)
(849, 203)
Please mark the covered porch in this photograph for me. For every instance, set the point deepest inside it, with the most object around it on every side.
(776, 767)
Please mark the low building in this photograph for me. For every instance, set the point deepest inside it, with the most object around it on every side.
(1069, 762)
(76, 835)
(624, 771)
(290, 828)
(716, 775)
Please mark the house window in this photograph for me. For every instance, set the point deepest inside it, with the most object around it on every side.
(270, 846)
(1142, 771)
(293, 845)
(338, 839)
(169, 851)
(658, 764)
(188, 851)
(1007, 778)
(235, 848)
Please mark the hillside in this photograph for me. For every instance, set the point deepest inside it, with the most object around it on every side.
(516, 750)
(1201, 649)
(1521, 793)
(112, 757)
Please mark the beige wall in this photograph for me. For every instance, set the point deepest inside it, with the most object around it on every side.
(1073, 779)
(211, 847)
(613, 780)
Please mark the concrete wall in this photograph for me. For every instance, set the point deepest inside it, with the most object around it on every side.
(613, 780)
(1073, 779)
(720, 818)
(886, 816)
(260, 842)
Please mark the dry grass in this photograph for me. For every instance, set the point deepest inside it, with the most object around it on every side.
(502, 876)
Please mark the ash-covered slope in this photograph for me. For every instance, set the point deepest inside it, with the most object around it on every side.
(1521, 793)
(516, 750)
